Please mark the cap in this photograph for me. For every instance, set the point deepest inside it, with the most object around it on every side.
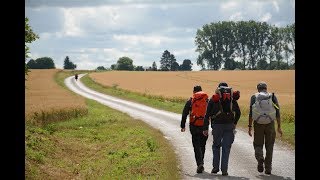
(223, 84)
(197, 88)
(262, 85)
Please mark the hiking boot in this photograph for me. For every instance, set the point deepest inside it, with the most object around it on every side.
(224, 173)
(200, 169)
(267, 171)
(215, 170)
(260, 166)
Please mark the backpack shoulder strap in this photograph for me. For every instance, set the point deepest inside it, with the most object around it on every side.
(273, 101)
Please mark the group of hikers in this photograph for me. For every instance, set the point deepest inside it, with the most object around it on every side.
(222, 112)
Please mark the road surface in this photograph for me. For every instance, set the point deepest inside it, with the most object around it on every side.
(242, 163)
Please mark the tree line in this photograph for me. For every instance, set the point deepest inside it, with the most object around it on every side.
(168, 62)
(48, 63)
(245, 45)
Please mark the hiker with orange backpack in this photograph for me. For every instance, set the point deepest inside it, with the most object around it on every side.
(196, 107)
(224, 112)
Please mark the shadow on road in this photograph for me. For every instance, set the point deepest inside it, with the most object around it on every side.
(206, 175)
(272, 176)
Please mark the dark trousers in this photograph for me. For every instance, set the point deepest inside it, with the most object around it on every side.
(223, 136)
(199, 143)
(264, 134)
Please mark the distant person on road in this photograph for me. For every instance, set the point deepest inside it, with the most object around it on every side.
(224, 112)
(76, 77)
(196, 107)
(264, 109)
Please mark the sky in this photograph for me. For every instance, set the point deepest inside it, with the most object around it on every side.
(96, 33)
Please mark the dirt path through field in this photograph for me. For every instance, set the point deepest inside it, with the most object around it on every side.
(242, 164)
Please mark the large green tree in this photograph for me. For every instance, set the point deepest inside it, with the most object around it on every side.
(186, 65)
(154, 66)
(68, 64)
(248, 42)
(253, 44)
(41, 63)
(168, 62)
(125, 63)
(174, 66)
(242, 39)
(101, 68)
(228, 30)
(277, 34)
(209, 44)
(32, 63)
(263, 33)
(29, 37)
(289, 43)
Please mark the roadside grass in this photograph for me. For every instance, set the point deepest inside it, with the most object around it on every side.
(46, 116)
(287, 124)
(176, 105)
(104, 144)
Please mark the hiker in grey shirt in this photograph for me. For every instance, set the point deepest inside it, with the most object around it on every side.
(264, 109)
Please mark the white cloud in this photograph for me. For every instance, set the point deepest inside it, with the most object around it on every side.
(82, 21)
(72, 23)
(85, 64)
(144, 40)
(164, 7)
(116, 54)
(276, 6)
(182, 54)
(229, 5)
(266, 17)
(45, 36)
(236, 16)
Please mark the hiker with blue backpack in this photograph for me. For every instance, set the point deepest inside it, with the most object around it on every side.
(264, 110)
(224, 112)
(195, 107)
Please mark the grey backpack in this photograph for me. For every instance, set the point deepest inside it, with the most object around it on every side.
(264, 109)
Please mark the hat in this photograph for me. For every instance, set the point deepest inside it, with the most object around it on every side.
(197, 88)
(262, 85)
(223, 84)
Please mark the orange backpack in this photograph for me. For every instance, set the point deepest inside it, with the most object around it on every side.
(198, 108)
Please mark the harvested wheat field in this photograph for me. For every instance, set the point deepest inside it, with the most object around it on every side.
(44, 95)
(180, 84)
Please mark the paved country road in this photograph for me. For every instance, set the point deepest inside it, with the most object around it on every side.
(242, 163)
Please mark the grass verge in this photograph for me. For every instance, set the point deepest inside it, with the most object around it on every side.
(174, 105)
(105, 144)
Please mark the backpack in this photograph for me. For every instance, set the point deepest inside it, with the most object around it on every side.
(198, 108)
(264, 109)
(224, 97)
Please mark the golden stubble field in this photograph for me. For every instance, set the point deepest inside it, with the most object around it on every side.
(180, 84)
(43, 94)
